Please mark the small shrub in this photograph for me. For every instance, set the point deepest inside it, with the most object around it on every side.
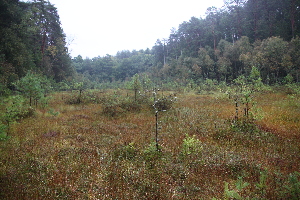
(163, 104)
(242, 133)
(131, 106)
(15, 109)
(72, 99)
(51, 111)
(117, 106)
(44, 102)
(288, 79)
(112, 110)
(82, 97)
(293, 187)
(151, 153)
(293, 88)
(207, 86)
(191, 146)
(90, 96)
(28, 112)
(3, 133)
(244, 125)
(135, 85)
(262, 184)
(236, 192)
(125, 152)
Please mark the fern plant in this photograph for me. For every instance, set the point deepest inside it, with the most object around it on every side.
(240, 185)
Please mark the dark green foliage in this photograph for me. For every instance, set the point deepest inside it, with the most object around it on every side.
(151, 153)
(163, 104)
(3, 131)
(31, 38)
(13, 108)
(293, 187)
(33, 86)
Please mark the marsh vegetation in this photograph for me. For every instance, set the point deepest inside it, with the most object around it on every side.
(103, 147)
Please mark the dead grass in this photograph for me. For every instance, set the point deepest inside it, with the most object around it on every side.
(77, 152)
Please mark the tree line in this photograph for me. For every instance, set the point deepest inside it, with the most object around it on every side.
(31, 39)
(222, 46)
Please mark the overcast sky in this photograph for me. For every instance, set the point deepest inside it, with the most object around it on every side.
(99, 27)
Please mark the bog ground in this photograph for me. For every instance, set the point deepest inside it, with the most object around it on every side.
(103, 147)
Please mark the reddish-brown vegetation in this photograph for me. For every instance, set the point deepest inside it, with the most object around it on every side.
(78, 152)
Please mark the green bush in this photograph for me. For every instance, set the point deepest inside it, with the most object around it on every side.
(289, 187)
(72, 98)
(15, 108)
(115, 106)
(33, 86)
(125, 152)
(163, 104)
(131, 106)
(112, 110)
(293, 88)
(293, 187)
(52, 112)
(3, 131)
(236, 192)
(191, 146)
(151, 153)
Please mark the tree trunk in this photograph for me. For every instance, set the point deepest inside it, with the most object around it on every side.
(255, 19)
(135, 94)
(156, 131)
(292, 14)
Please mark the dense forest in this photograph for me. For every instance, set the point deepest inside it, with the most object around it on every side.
(31, 39)
(224, 45)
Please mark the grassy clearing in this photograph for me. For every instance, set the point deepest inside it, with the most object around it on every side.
(104, 148)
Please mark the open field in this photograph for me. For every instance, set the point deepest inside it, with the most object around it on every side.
(105, 150)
